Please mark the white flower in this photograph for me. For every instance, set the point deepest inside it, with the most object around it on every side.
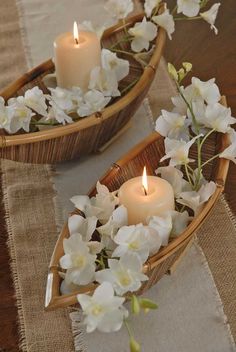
(21, 117)
(76, 95)
(35, 100)
(177, 151)
(84, 226)
(172, 125)
(179, 103)
(207, 91)
(104, 81)
(119, 8)
(125, 274)
(175, 178)
(163, 226)
(112, 63)
(132, 239)
(56, 113)
(195, 200)
(179, 222)
(94, 101)
(150, 5)
(218, 117)
(6, 114)
(89, 27)
(142, 33)
(62, 98)
(101, 206)
(210, 16)
(103, 310)
(230, 151)
(166, 21)
(78, 261)
(189, 8)
(118, 219)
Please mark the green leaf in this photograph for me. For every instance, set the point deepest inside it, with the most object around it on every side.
(146, 303)
(135, 307)
(134, 345)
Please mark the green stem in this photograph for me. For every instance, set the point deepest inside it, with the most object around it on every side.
(128, 328)
(188, 176)
(125, 28)
(187, 18)
(211, 159)
(122, 40)
(206, 136)
(129, 86)
(123, 52)
(174, 10)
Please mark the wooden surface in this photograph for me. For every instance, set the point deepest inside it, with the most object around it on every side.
(212, 56)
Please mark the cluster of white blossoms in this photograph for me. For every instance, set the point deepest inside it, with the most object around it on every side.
(144, 32)
(56, 108)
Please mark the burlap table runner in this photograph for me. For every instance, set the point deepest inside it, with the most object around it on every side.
(32, 230)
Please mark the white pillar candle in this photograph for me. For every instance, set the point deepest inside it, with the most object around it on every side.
(146, 196)
(75, 56)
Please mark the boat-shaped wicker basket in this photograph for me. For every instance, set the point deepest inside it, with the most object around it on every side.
(91, 133)
(148, 153)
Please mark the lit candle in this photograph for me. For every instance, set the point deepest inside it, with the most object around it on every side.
(75, 56)
(146, 196)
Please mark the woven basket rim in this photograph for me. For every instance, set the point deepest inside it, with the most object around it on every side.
(92, 120)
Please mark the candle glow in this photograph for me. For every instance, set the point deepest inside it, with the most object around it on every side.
(76, 33)
(144, 181)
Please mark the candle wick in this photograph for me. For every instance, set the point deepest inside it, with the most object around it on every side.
(76, 41)
(145, 192)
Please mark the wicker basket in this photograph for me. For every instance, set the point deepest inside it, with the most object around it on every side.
(91, 133)
(148, 153)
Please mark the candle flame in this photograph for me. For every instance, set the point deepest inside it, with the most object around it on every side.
(144, 181)
(76, 33)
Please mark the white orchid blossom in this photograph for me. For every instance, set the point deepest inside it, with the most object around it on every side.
(101, 206)
(208, 91)
(175, 177)
(35, 100)
(6, 115)
(56, 113)
(93, 101)
(62, 98)
(180, 222)
(112, 63)
(150, 5)
(189, 8)
(103, 310)
(84, 226)
(124, 274)
(230, 151)
(89, 27)
(78, 260)
(104, 81)
(195, 200)
(180, 106)
(172, 125)
(21, 117)
(210, 16)
(218, 117)
(132, 239)
(143, 33)
(166, 21)
(163, 226)
(177, 151)
(107, 231)
(119, 8)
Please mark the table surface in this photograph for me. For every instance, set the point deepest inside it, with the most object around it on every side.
(211, 57)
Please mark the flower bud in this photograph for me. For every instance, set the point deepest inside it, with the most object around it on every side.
(135, 305)
(134, 346)
(146, 303)
(172, 71)
(187, 66)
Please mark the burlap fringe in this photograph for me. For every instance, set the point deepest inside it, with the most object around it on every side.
(13, 267)
(219, 303)
(229, 211)
(24, 36)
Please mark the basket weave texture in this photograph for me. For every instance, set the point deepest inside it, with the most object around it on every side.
(91, 133)
(148, 154)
